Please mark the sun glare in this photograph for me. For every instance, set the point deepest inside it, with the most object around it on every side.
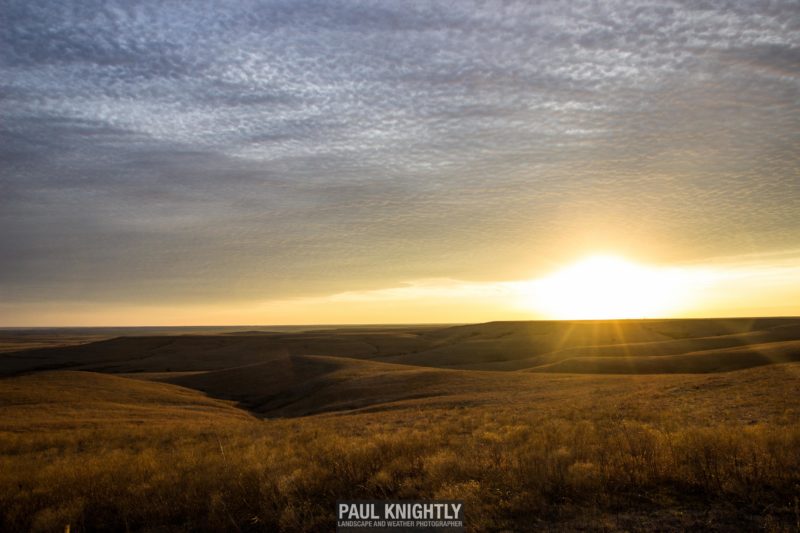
(604, 286)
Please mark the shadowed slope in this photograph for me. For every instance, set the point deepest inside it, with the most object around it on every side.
(519, 345)
(722, 360)
(305, 385)
(205, 352)
(299, 385)
(491, 346)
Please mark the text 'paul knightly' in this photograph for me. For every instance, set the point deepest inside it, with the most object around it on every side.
(400, 511)
(384, 515)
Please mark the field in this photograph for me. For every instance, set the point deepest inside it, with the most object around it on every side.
(666, 425)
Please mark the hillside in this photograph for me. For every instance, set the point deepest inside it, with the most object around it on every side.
(64, 400)
(711, 360)
(545, 426)
(304, 385)
(692, 346)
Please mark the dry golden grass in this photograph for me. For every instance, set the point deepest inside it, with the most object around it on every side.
(52, 401)
(148, 450)
(512, 471)
(718, 452)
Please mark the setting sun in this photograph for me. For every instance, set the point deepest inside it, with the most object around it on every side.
(607, 286)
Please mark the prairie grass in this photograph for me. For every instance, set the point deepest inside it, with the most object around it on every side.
(515, 468)
(531, 452)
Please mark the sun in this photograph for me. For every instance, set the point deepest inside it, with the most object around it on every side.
(608, 286)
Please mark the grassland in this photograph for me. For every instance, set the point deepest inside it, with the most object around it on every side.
(264, 431)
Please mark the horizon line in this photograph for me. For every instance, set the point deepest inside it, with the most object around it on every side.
(402, 324)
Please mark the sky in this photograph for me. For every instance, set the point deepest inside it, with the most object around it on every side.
(355, 162)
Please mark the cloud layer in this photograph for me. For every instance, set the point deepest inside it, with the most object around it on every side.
(252, 150)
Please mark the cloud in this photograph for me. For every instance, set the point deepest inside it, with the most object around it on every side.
(269, 149)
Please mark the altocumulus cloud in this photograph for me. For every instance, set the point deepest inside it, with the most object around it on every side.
(252, 150)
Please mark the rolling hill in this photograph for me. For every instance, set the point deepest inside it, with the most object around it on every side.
(59, 400)
(678, 345)
(555, 426)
